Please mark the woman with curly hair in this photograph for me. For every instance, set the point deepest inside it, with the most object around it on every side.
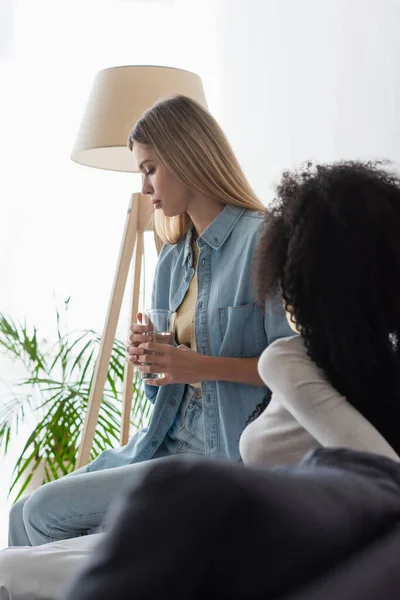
(331, 245)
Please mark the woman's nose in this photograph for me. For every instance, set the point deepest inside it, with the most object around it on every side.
(147, 188)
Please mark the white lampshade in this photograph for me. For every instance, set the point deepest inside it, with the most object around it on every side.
(119, 97)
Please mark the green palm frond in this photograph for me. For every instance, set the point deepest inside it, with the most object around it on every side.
(21, 344)
(55, 391)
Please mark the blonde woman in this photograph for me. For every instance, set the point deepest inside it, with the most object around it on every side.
(209, 218)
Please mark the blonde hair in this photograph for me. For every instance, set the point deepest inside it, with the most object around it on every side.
(189, 141)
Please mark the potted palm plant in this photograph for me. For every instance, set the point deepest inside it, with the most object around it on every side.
(54, 391)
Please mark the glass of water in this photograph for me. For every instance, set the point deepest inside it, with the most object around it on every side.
(161, 329)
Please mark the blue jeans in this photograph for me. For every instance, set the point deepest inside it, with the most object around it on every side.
(186, 435)
(76, 504)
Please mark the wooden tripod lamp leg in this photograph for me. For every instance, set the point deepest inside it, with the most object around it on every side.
(128, 372)
(107, 342)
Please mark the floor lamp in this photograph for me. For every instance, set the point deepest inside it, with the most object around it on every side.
(118, 99)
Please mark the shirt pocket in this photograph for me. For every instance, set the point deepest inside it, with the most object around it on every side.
(242, 331)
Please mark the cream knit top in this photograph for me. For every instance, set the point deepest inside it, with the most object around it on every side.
(305, 411)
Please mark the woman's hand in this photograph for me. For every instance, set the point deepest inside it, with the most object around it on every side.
(137, 337)
(179, 365)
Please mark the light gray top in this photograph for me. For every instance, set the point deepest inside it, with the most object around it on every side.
(305, 411)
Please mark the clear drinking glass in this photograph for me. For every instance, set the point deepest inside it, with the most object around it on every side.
(161, 324)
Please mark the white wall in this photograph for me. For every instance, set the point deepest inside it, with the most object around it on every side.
(303, 79)
(6, 29)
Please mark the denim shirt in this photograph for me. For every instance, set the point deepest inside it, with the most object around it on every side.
(228, 323)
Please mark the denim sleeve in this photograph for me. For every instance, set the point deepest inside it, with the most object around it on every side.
(150, 392)
(275, 322)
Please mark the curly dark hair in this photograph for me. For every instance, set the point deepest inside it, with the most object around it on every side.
(331, 246)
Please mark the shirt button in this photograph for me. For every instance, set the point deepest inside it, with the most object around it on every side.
(172, 402)
(216, 242)
(197, 394)
(203, 262)
(208, 398)
(200, 305)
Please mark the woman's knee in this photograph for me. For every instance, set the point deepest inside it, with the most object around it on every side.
(16, 527)
(40, 505)
(16, 512)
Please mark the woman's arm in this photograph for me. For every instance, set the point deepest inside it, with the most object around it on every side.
(235, 370)
(303, 390)
(181, 365)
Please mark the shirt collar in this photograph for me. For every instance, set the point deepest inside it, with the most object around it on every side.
(216, 234)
